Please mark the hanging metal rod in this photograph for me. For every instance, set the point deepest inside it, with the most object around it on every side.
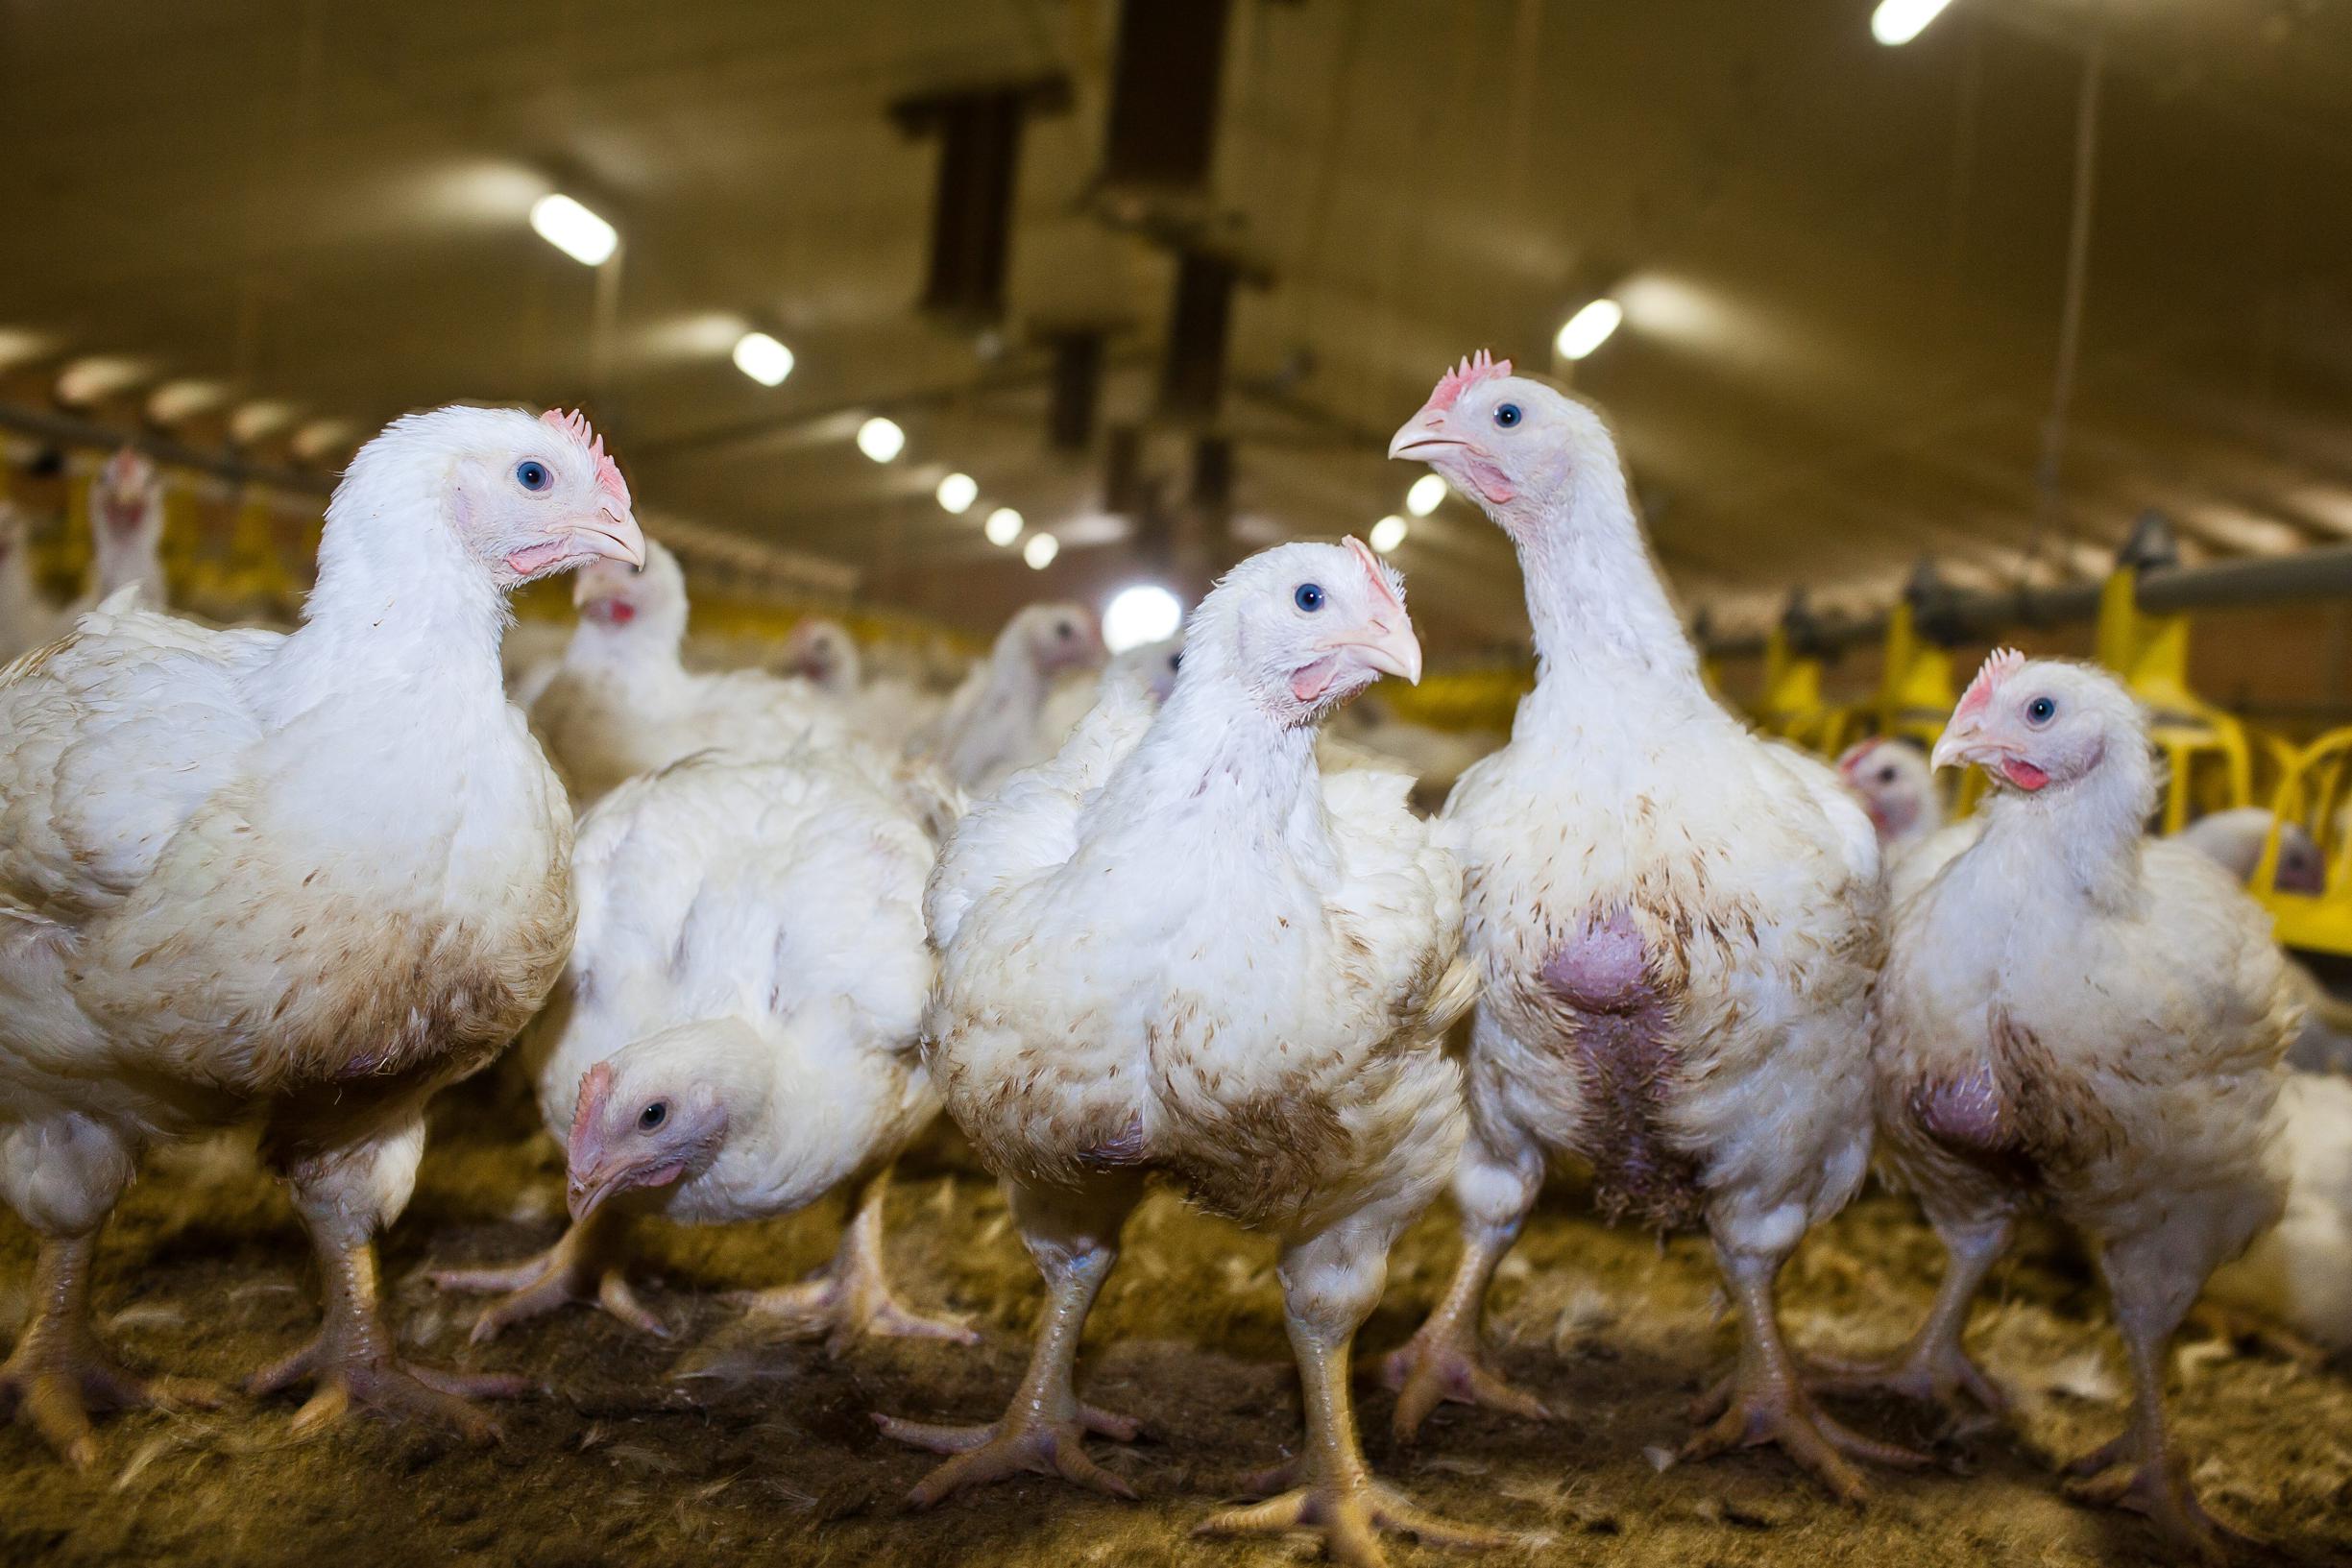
(72, 430)
(2163, 591)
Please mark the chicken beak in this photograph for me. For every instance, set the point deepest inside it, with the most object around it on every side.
(1387, 644)
(607, 536)
(1961, 743)
(1422, 436)
(585, 1194)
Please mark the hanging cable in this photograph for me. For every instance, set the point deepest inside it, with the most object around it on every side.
(2050, 474)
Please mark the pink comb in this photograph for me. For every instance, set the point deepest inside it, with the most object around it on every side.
(608, 474)
(595, 1087)
(1481, 366)
(1998, 666)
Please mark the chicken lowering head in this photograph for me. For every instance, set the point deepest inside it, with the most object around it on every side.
(2041, 724)
(657, 1112)
(1893, 784)
(1300, 628)
(1510, 443)
(644, 603)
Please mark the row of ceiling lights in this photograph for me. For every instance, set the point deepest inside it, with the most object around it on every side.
(564, 223)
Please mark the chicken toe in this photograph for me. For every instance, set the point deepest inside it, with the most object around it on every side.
(851, 1296)
(59, 1373)
(1444, 1362)
(585, 1267)
(1022, 1443)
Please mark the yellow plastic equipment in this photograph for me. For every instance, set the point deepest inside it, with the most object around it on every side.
(2314, 794)
(1792, 706)
(2211, 763)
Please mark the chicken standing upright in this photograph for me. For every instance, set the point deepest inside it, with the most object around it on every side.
(994, 724)
(125, 507)
(1176, 949)
(736, 1033)
(299, 880)
(624, 703)
(1678, 925)
(2077, 1015)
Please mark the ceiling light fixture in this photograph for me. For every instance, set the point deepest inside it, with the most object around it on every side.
(1588, 328)
(763, 358)
(1427, 492)
(1003, 527)
(1389, 533)
(957, 494)
(1146, 613)
(575, 230)
(1041, 550)
(881, 438)
(1897, 22)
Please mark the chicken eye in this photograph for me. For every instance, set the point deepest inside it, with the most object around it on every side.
(1507, 416)
(1309, 597)
(2041, 710)
(653, 1116)
(533, 476)
(1175, 660)
(1061, 629)
(1886, 775)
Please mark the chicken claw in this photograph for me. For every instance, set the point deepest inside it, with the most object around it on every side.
(59, 1373)
(1752, 1416)
(2160, 1490)
(1018, 1443)
(1427, 1371)
(352, 1364)
(1350, 1515)
(851, 1296)
(1931, 1375)
(582, 1266)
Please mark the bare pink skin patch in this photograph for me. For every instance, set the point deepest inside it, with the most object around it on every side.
(533, 559)
(1620, 1044)
(1312, 680)
(2023, 773)
(610, 612)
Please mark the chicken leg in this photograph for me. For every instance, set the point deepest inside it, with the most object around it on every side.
(1445, 1360)
(343, 1194)
(584, 1265)
(851, 1295)
(2152, 1294)
(1766, 1402)
(1330, 1284)
(1934, 1366)
(59, 1373)
(1073, 1239)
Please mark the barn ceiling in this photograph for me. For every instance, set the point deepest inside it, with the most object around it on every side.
(1843, 266)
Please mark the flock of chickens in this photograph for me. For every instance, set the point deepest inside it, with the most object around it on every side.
(1150, 929)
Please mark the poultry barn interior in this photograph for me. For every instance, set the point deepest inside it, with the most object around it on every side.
(999, 727)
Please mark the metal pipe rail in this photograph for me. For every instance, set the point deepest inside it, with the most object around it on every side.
(1957, 616)
(72, 430)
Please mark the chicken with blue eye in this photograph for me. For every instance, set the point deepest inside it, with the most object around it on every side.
(653, 1116)
(2041, 710)
(1309, 597)
(1507, 416)
(533, 476)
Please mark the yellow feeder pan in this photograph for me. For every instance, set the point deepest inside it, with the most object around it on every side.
(2313, 794)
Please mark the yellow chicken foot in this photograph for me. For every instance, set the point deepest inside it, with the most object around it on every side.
(1444, 1360)
(1339, 1498)
(1766, 1403)
(851, 1296)
(59, 1373)
(585, 1267)
(352, 1362)
(1933, 1367)
(1044, 1428)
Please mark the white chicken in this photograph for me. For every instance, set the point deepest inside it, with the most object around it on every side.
(1153, 667)
(735, 1036)
(995, 723)
(1678, 925)
(1896, 788)
(27, 619)
(2235, 839)
(624, 703)
(2076, 1015)
(822, 653)
(126, 508)
(301, 881)
(2299, 1273)
(1187, 954)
